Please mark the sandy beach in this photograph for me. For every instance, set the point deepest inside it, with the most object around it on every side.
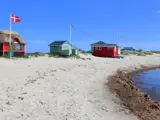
(46, 88)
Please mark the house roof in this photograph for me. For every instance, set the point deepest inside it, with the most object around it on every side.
(5, 36)
(111, 44)
(58, 43)
(128, 48)
(101, 43)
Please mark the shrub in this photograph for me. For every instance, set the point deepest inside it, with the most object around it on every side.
(53, 55)
(4, 56)
(36, 54)
(141, 54)
(157, 52)
(88, 51)
(140, 50)
(148, 52)
(24, 56)
(124, 53)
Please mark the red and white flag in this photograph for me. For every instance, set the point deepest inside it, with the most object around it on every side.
(15, 18)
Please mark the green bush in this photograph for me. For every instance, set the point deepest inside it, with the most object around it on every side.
(148, 52)
(88, 51)
(4, 56)
(24, 56)
(138, 52)
(84, 52)
(53, 55)
(59, 55)
(124, 53)
(141, 54)
(37, 54)
(157, 52)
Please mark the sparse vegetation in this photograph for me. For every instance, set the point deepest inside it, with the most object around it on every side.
(4, 56)
(53, 55)
(59, 55)
(139, 52)
(157, 52)
(89, 52)
(84, 52)
(24, 56)
(36, 54)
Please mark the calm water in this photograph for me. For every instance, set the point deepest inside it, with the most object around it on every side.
(149, 82)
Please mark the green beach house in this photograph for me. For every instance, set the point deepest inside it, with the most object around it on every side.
(61, 47)
(75, 51)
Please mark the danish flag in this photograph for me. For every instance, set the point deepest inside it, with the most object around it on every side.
(15, 18)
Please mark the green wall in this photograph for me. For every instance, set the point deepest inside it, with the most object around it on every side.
(65, 49)
(55, 49)
(75, 51)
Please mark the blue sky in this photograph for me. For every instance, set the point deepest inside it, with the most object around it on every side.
(133, 23)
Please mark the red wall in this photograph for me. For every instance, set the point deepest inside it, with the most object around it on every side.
(6, 47)
(105, 51)
(116, 52)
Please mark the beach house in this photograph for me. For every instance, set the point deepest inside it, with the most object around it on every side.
(17, 47)
(129, 49)
(103, 49)
(63, 48)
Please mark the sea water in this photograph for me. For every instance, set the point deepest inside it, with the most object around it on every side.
(149, 82)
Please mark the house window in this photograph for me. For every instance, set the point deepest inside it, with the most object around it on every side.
(100, 48)
(96, 48)
(18, 46)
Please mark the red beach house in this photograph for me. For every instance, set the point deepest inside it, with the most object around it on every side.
(104, 50)
(17, 43)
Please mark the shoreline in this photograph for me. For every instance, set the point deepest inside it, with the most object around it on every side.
(137, 101)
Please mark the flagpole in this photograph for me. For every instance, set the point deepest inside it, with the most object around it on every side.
(70, 33)
(10, 37)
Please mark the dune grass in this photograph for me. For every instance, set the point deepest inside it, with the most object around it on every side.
(140, 52)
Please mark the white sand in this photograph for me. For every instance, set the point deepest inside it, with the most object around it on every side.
(63, 89)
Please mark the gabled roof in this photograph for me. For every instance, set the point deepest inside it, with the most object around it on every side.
(101, 43)
(128, 48)
(111, 44)
(58, 43)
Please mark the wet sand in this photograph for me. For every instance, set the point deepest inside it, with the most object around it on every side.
(133, 98)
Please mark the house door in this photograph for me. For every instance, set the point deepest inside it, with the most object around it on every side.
(11, 50)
